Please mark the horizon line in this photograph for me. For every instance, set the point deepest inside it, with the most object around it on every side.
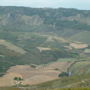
(42, 7)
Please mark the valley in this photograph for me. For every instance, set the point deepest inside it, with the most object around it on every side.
(46, 48)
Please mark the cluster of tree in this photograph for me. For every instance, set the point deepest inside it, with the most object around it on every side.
(18, 81)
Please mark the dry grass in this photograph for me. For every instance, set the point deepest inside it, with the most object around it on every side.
(43, 49)
(32, 75)
(78, 45)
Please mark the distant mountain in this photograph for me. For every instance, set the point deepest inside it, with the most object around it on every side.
(44, 19)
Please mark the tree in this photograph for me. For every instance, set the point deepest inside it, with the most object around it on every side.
(18, 81)
(63, 74)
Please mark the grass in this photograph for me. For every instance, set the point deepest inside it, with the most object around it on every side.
(67, 82)
(82, 67)
(65, 89)
(66, 59)
(9, 88)
(82, 37)
(45, 89)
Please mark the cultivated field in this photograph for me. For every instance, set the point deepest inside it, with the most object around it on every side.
(33, 75)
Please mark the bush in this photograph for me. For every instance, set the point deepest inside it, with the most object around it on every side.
(63, 74)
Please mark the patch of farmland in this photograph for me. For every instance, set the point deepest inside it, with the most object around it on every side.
(34, 75)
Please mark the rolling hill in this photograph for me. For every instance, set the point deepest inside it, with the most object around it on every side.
(41, 36)
(32, 48)
(82, 37)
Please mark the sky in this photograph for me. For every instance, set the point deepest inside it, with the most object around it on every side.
(79, 4)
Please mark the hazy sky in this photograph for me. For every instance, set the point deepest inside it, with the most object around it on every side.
(80, 4)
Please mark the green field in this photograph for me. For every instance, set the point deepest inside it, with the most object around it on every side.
(82, 67)
(82, 37)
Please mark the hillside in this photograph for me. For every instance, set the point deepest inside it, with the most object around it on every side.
(33, 76)
(32, 48)
(54, 40)
(82, 37)
(38, 74)
(12, 47)
(65, 21)
(66, 82)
